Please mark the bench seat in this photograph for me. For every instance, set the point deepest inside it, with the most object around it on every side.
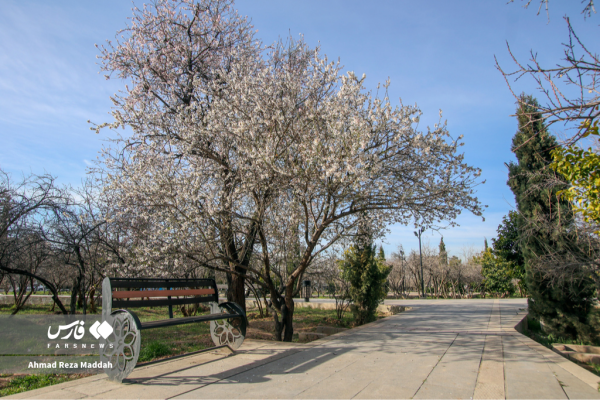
(185, 320)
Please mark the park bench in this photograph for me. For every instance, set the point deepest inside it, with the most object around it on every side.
(227, 320)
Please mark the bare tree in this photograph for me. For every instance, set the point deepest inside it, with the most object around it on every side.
(397, 280)
(22, 248)
(72, 229)
(460, 277)
(337, 286)
(580, 70)
(30, 257)
(579, 257)
(587, 10)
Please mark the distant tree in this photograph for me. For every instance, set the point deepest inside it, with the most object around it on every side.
(546, 226)
(506, 246)
(73, 230)
(397, 276)
(336, 286)
(367, 275)
(23, 205)
(497, 275)
(443, 253)
(455, 276)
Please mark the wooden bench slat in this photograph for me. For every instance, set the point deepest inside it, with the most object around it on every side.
(124, 294)
(161, 302)
(187, 320)
(159, 283)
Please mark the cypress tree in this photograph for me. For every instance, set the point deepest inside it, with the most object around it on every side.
(367, 273)
(443, 254)
(562, 305)
(506, 247)
(506, 244)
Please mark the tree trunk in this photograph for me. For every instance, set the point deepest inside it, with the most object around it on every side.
(278, 324)
(91, 294)
(287, 319)
(22, 300)
(80, 297)
(82, 294)
(235, 289)
(74, 293)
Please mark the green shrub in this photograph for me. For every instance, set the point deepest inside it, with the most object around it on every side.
(533, 325)
(367, 275)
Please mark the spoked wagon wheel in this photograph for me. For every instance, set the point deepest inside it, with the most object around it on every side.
(230, 331)
(122, 347)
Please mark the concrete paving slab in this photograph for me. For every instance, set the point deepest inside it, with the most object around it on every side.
(98, 387)
(573, 387)
(90, 380)
(592, 380)
(362, 378)
(490, 379)
(65, 394)
(527, 374)
(456, 373)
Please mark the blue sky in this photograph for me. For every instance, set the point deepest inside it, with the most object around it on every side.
(438, 54)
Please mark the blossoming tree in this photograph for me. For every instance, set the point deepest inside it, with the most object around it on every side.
(236, 149)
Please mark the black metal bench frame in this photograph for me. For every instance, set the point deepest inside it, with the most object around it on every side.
(227, 320)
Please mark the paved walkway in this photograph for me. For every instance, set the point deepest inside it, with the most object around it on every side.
(439, 349)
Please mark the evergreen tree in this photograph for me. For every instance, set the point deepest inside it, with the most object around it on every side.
(506, 247)
(497, 274)
(564, 306)
(367, 274)
(454, 261)
(381, 255)
(443, 254)
(506, 244)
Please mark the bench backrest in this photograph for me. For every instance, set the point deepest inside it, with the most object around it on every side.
(152, 292)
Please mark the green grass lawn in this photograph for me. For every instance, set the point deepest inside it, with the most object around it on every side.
(171, 340)
(28, 309)
(10, 384)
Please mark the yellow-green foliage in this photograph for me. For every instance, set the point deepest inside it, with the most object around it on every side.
(582, 169)
(497, 273)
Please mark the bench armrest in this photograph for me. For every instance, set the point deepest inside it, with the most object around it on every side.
(106, 298)
(233, 308)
